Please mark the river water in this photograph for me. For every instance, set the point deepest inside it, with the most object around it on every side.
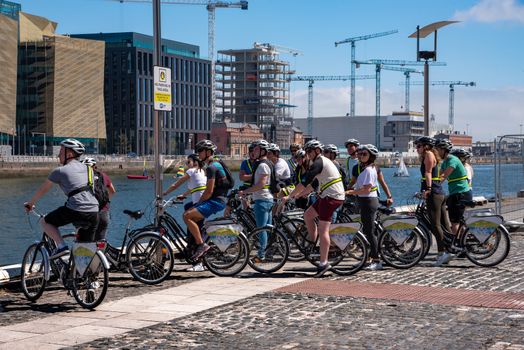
(19, 229)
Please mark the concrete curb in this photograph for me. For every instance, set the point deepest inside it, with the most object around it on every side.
(9, 274)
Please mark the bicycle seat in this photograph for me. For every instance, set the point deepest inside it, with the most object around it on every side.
(386, 210)
(134, 214)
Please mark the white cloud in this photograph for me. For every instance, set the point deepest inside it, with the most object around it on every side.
(485, 113)
(493, 11)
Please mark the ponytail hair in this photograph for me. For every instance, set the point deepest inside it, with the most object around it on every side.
(194, 158)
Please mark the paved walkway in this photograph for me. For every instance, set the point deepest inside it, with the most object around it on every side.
(457, 307)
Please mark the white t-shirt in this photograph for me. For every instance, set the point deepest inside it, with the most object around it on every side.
(197, 178)
(265, 193)
(282, 170)
(368, 176)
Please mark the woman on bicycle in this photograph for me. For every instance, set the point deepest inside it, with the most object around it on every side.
(465, 157)
(366, 192)
(261, 194)
(197, 181)
(458, 186)
(431, 188)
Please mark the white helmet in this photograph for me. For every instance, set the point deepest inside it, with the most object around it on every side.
(273, 147)
(89, 161)
(331, 148)
(370, 148)
(313, 144)
(75, 145)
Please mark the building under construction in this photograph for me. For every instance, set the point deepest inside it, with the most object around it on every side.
(253, 87)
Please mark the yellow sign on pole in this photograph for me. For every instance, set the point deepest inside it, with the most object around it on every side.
(162, 88)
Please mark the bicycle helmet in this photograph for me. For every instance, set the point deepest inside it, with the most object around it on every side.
(205, 145)
(294, 146)
(263, 144)
(352, 142)
(251, 146)
(444, 144)
(313, 144)
(331, 148)
(300, 153)
(461, 153)
(75, 145)
(425, 140)
(273, 147)
(89, 161)
(370, 148)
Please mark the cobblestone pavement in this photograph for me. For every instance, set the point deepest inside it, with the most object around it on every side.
(279, 320)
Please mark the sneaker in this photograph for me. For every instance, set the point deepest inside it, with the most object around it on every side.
(197, 268)
(322, 269)
(58, 252)
(442, 259)
(375, 266)
(258, 260)
(200, 251)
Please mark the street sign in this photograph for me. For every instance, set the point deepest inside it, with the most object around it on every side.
(162, 88)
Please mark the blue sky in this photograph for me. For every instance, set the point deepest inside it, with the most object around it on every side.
(487, 47)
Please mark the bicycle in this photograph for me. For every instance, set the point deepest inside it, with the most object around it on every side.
(481, 234)
(401, 243)
(84, 273)
(229, 252)
(147, 255)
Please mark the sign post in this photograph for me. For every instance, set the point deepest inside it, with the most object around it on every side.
(162, 88)
(157, 59)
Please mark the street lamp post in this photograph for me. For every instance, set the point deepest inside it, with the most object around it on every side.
(41, 133)
(426, 56)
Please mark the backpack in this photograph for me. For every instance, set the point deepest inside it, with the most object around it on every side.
(99, 189)
(95, 185)
(274, 185)
(227, 182)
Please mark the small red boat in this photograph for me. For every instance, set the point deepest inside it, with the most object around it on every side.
(138, 177)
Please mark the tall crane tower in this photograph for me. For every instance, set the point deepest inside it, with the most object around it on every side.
(352, 42)
(211, 6)
(379, 65)
(311, 80)
(451, 115)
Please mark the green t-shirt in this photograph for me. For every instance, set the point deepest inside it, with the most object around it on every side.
(458, 179)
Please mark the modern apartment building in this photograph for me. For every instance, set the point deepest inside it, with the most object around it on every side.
(129, 88)
(8, 66)
(253, 87)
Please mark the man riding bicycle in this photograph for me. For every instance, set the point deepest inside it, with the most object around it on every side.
(81, 207)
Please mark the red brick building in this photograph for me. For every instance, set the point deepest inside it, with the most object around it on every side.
(233, 139)
(458, 140)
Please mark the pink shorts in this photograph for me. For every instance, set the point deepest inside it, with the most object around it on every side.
(325, 207)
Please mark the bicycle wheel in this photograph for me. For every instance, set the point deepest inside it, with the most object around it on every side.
(150, 258)
(89, 289)
(227, 260)
(275, 254)
(486, 251)
(33, 272)
(404, 250)
(351, 259)
(295, 239)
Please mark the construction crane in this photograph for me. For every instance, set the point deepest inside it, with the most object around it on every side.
(379, 65)
(352, 42)
(407, 73)
(451, 115)
(211, 6)
(311, 80)
(277, 48)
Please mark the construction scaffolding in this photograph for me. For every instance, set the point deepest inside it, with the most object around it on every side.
(253, 87)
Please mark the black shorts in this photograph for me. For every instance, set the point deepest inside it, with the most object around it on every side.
(85, 222)
(455, 207)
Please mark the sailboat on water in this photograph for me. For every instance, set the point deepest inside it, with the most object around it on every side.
(402, 170)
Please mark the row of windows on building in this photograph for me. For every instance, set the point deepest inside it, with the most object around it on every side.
(181, 69)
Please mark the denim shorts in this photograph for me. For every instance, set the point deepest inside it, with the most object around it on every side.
(210, 207)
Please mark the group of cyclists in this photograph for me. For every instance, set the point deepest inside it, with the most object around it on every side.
(312, 179)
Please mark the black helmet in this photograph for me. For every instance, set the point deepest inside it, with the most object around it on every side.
(75, 145)
(352, 142)
(89, 161)
(313, 144)
(461, 153)
(263, 144)
(251, 146)
(205, 145)
(444, 144)
(425, 140)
